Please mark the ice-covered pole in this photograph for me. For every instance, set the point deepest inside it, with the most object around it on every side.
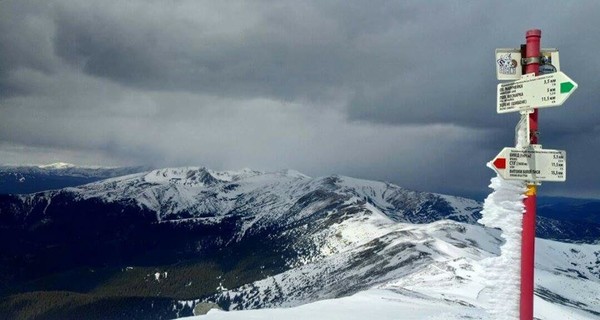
(532, 56)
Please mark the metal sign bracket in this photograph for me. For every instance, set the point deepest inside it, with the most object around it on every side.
(531, 60)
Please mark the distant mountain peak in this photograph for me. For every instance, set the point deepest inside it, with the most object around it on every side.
(188, 176)
(66, 165)
(293, 173)
(57, 165)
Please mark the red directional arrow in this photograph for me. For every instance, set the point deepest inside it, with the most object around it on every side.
(500, 163)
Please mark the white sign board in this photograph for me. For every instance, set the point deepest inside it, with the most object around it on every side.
(509, 65)
(531, 92)
(532, 164)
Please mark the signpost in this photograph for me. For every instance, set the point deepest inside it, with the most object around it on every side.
(539, 83)
(548, 90)
(532, 164)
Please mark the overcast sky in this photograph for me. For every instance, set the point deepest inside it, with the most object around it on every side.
(401, 91)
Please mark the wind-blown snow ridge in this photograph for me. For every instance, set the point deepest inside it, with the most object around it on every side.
(351, 264)
(451, 282)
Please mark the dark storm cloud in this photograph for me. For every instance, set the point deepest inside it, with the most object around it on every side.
(398, 62)
(24, 43)
(400, 91)
(240, 53)
(284, 51)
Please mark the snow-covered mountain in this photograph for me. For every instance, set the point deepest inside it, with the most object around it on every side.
(264, 222)
(35, 178)
(275, 239)
(267, 198)
(273, 209)
(452, 286)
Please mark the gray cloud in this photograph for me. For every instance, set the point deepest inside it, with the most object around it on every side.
(392, 91)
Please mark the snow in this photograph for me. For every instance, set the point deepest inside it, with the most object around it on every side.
(569, 296)
(440, 270)
(354, 231)
(221, 287)
(463, 208)
(503, 209)
(477, 281)
(57, 165)
(65, 165)
(371, 304)
(453, 289)
(232, 175)
(158, 275)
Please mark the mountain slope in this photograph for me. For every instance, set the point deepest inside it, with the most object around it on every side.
(183, 235)
(116, 217)
(399, 251)
(455, 289)
(438, 263)
(247, 224)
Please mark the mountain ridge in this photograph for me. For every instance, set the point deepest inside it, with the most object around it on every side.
(246, 226)
(236, 220)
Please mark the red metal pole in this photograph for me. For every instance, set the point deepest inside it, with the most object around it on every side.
(532, 50)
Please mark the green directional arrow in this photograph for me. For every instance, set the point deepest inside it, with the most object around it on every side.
(566, 87)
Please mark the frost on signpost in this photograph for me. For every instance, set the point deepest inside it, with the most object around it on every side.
(503, 209)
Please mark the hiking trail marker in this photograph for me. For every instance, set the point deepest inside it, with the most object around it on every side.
(532, 164)
(549, 90)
